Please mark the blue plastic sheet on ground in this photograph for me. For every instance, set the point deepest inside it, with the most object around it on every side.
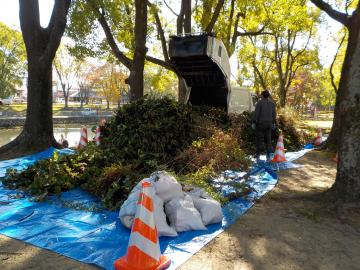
(99, 237)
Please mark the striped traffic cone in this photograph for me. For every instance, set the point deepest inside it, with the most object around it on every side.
(83, 138)
(97, 136)
(143, 251)
(318, 139)
(280, 151)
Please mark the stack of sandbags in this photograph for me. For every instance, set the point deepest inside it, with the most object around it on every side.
(185, 211)
(128, 210)
(209, 209)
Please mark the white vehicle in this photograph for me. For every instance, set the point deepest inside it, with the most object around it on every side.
(87, 111)
(241, 99)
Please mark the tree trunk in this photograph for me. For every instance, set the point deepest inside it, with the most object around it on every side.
(187, 16)
(136, 78)
(37, 134)
(347, 184)
(66, 101)
(41, 45)
(332, 140)
(282, 94)
(181, 90)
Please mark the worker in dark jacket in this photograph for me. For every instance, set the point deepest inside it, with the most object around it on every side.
(263, 121)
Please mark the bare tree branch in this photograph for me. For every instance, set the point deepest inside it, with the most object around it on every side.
(173, 12)
(336, 15)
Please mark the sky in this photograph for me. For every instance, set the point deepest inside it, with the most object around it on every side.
(9, 14)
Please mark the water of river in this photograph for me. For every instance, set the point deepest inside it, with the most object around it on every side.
(71, 132)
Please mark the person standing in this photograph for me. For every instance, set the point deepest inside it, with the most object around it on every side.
(263, 122)
(63, 142)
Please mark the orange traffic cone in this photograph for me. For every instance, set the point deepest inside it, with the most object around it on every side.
(83, 138)
(280, 151)
(97, 136)
(143, 251)
(318, 139)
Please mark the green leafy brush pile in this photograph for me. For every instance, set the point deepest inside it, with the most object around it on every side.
(194, 143)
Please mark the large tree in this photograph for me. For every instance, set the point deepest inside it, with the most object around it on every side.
(347, 184)
(41, 45)
(12, 60)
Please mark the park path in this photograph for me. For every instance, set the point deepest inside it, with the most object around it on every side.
(292, 227)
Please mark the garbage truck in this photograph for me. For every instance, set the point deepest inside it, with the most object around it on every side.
(203, 62)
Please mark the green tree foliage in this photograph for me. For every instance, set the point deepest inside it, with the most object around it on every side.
(12, 60)
(272, 58)
(159, 81)
(87, 33)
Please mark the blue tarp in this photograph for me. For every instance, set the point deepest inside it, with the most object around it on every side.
(99, 237)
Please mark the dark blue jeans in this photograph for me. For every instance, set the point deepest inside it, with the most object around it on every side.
(263, 135)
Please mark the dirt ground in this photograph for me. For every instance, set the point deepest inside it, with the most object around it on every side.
(292, 227)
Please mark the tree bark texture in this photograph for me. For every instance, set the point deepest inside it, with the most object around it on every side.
(41, 45)
(136, 78)
(182, 89)
(347, 184)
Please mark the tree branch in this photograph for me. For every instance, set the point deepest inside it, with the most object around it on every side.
(57, 24)
(253, 33)
(173, 12)
(160, 62)
(333, 62)
(215, 16)
(228, 34)
(109, 36)
(180, 19)
(336, 15)
(29, 19)
(160, 31)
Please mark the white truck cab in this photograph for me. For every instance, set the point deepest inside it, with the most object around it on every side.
(241, 99)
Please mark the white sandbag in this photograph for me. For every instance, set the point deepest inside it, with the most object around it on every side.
(160, 218)
(128, 210)
(182, 215)
(127, 221)
(199, 192)
(166, 186)
(209, 209)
